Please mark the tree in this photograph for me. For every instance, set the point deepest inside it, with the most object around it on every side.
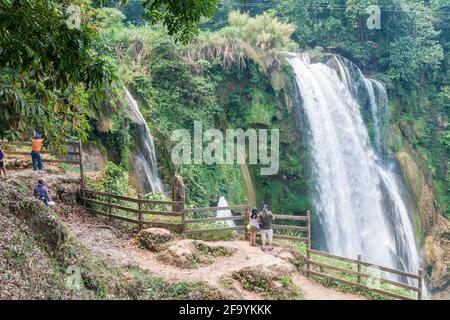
(52, 78)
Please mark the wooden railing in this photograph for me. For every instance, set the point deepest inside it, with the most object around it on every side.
(240, 217)
(293, 231)
(48, 152)
(360, 275)
(134, 206)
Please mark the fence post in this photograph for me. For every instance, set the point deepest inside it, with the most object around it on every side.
(80, 156)
(110, 208)
(183, 213)
(246, 222)
(359, 267)
(308, 249)
(419, 284)
(141, 225)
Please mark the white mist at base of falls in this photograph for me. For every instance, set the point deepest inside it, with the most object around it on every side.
(144, 161)
(222, 203)
(358, 202)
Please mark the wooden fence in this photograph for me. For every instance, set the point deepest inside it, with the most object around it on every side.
(59, 158)
(295, 232)
(104, 204)
(240, 217)
(376, 273)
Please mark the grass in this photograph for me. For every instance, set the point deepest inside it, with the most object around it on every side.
(212, 236)
(270, 286)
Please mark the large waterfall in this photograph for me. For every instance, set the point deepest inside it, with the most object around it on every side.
(144, 161)
(358, 194)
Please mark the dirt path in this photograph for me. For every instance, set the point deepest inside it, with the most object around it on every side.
(101, 237)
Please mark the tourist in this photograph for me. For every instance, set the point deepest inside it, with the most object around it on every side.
(265, 223)
(36, 146)
(41, 192)
(253, 226)
(2, 163)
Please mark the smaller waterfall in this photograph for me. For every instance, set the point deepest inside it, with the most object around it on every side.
(224, 213)
(374, 111)
(145, 160)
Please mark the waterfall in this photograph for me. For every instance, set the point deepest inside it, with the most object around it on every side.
(224, 213)
(358, 202)
(144, 161)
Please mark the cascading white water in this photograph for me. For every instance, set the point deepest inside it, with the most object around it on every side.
(224, 213)
(145, 160)
(352, 186)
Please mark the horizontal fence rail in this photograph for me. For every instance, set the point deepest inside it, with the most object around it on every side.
(359, 263)
(292, 232)
(140, 212)
(211, 220)
(76, 154)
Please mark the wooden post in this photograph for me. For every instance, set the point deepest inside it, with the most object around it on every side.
(247, 211)
(308, 215)
(110, 208)
(308, 248)
(80, 156)
(183, 213)
(141, 225)
(420, 284)
(359, 267)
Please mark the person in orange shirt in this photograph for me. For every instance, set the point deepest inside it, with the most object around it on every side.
(36, 146)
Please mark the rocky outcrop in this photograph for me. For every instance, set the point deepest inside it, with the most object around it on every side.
(433, 228)
(39, 218)
(272, 282)
(418, 182)
(188, 254)
(154, 239)
(93, 158)
(62, 187)
(437, 256)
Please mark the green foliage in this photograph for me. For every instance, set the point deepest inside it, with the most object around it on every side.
(270, 285)
(113, 179)
(48, 71)
(263, 31)
(406, 46)
(180, 17)
(212, 236)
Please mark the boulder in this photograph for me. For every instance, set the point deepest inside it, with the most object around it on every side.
(154, 239)
(188, 254)
(182, 255)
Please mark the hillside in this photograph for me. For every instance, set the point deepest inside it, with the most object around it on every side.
(66, 253)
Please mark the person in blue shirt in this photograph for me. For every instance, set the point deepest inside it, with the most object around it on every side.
(2, 163)
(41, 192)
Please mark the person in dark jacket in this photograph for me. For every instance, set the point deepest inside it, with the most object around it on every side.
(41, 192)
(265, 223)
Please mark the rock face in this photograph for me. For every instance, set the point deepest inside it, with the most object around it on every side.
(93, 158)
(437, 256)
(421, 188)
(154, 239)
(273, 282)
(62, 187)
(433, 229)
